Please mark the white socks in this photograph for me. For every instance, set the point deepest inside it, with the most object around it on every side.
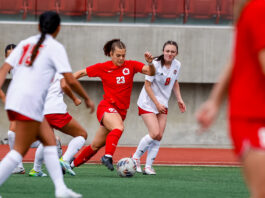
(53, 166)
(11, 141)
(8, 164)
(38, 158)
(73, 147)
(152, 153)
(143, 146)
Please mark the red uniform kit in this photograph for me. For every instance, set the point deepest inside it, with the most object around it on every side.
(117, 84)
(247, 86)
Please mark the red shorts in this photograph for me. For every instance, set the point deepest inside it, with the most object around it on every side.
(142, 111)
(247, 134)
(58, 120)
(12, 115)
(105, 106)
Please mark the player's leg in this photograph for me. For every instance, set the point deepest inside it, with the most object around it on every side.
(89, 151)
(254, 172)
(114, 123)
(38, 161)
(26, 133)
(152, 124)
(11, 141)
(154, 146)
(74, 129)
(51, 160)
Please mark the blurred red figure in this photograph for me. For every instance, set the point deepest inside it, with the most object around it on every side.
(244, 80)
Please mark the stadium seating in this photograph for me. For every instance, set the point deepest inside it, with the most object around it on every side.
(106, 8)
(226, 9)
(73, 7)
(169, 8)
(37, 7)
(138, 8)
(12, 7)
(202, 9)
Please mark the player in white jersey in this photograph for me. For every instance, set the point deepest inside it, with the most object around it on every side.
(55, 111)
(11, 132)
(153, 103)
(36, 60)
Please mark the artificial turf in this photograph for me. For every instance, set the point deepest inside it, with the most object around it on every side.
(170, 181)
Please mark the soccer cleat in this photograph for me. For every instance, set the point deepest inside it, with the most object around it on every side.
(138, 165)
(34, 173)
(18, 170)
(107, 161)
(66, 193)
(66, 167)
(149, 171)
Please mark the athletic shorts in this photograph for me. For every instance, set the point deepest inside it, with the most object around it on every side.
(58, 120)
(142, 111)
(247, 134)
(105, 107)
(12, 116)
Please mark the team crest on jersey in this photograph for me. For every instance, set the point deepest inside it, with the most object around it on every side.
(175, 72)
(126, 71)
(112, 110)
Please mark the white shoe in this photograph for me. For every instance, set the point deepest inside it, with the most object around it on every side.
(138, 165)
(18, 170)
(67, 193)
(149, 171)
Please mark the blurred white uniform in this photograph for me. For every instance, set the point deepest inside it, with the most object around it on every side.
(28, 89)
(162, 84)
(54, 103)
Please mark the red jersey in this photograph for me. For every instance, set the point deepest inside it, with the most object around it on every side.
(247, 86)
(117, 80)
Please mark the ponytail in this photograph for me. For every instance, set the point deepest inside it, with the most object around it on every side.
(36, 48)
(110, 46)
(48, 23)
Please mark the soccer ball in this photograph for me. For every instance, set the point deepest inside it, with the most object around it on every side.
(126, 167)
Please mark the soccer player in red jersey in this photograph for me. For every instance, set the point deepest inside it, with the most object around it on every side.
(117, 78)
(244, 80)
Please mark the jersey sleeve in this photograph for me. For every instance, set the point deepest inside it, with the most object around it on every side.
(138, 66)
(60, 60)
(94, 70)
(178, 70)
(16, 54)
(257, 27)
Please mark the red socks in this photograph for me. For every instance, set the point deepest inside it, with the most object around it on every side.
(84, 156)
(112, 141)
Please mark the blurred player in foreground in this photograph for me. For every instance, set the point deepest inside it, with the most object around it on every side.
(244, 80)
(36, 59)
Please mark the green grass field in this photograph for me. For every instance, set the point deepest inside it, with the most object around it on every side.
(95, 181)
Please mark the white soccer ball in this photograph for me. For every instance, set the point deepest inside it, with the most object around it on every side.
(126, 167)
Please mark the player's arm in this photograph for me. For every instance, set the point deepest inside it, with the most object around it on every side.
(147, 85)
(68, 91)
(80, 73)
(176, 90)
(3, 72)
(262, 60)
(208, 111)
(2, 96)
(150, 68)
(76, 87)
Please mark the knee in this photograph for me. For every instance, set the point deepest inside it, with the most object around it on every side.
(156, 136)
(84, 134)
(120, 127)
(95, 147)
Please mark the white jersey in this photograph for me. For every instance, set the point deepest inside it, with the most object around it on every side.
(162, 84)
(28, 89)
(54, 102)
